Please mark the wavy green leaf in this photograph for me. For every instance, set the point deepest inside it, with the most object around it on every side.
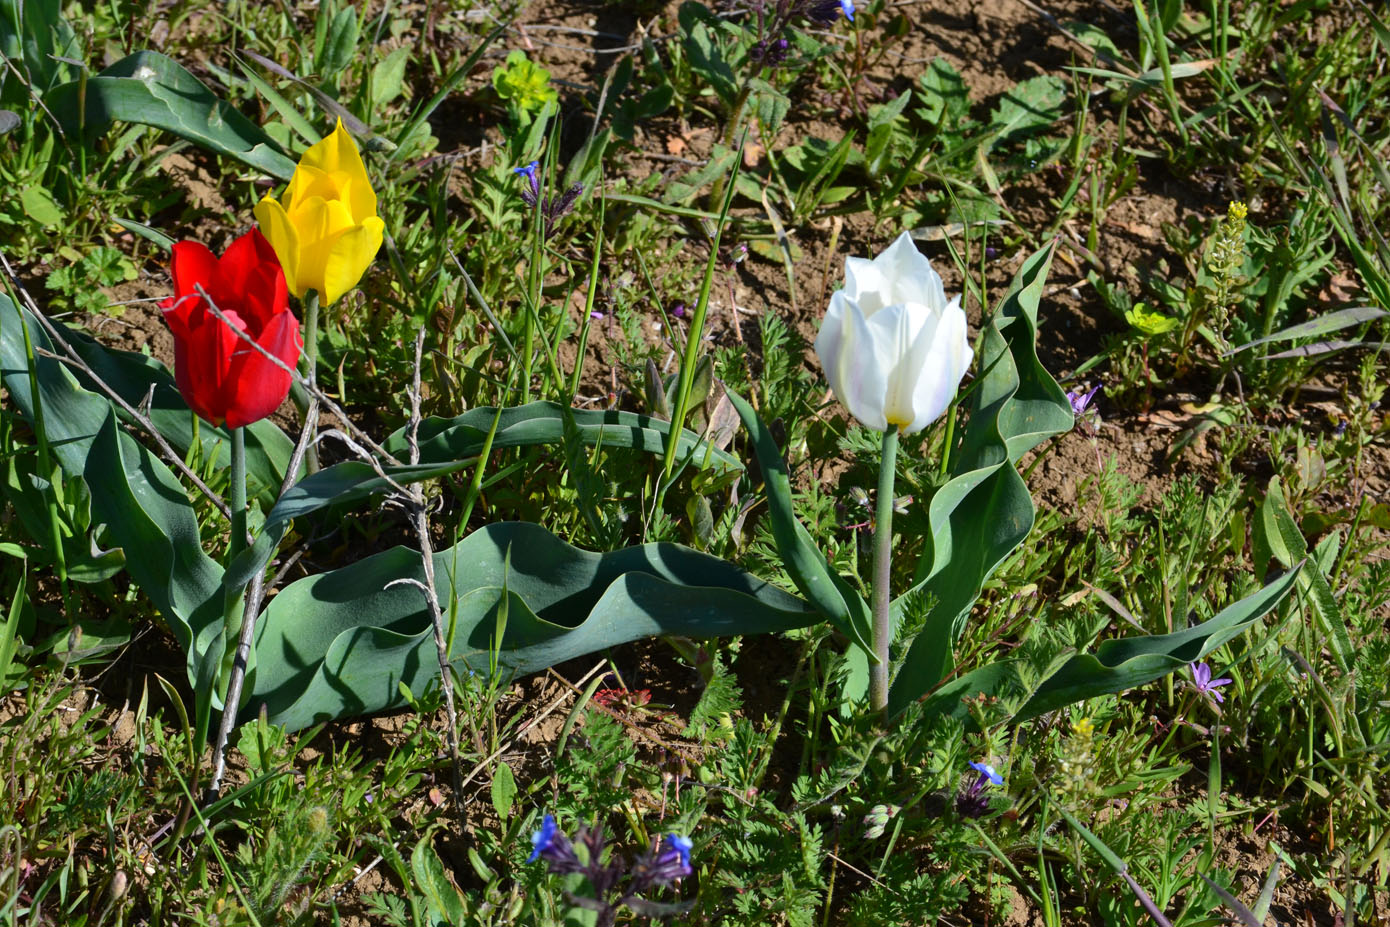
(341, 643)
(153, 90)
(984, 511)
(132, 376)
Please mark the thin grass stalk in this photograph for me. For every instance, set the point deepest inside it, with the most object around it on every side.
(697, 329)
(590, 296)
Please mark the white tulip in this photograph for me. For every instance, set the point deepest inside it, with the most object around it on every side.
(892, 347)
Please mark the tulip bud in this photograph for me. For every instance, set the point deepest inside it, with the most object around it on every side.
(325, 229)
(893, 348)
(223, 365)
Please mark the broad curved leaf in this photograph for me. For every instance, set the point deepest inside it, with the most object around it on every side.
(154, 90)
(132, 376)
(341, 643)
(142, 504)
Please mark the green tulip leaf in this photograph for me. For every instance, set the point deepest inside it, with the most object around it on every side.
(343, 643)
(144, 507)
(1127, 662)
(984, 511)
(153, 90)
(836, 599)
(36, 44)
(450, 445)
(1118, 664)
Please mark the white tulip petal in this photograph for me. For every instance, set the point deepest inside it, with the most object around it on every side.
(910, 275)
(830, 339)
(865, 285)
(946, 359)
(898, 329)
(862, 376)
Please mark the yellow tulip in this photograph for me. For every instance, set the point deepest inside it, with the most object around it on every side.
(325, 231)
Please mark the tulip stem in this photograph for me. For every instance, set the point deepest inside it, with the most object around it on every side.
(883, 561)
(311, 361)
(946, 444)
(238, 493)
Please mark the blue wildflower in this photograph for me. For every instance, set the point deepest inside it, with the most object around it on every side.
(848, 7)
(987, 772)
(545, 836)
(672, 862)
(682, 846)
(529, 171)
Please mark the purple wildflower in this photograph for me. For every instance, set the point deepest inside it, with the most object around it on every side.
(531, 194)
(552, 208)
(1205, 685)
(770, 52)
(1080, 401)
(972, 801)
(679, 311)
(673, 861)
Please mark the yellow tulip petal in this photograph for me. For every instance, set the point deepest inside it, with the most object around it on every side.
(280, 232)
(318, 223)
(337, 156)
(307, 183)
(318, 218)
(349, 257)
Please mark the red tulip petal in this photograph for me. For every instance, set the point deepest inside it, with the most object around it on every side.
(266, 296)
(201, 364)
(241, 261)
(259, 286)
(193, 264)
(256, 384)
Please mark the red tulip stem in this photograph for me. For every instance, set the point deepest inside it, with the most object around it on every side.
(238, 494)
(883, 561)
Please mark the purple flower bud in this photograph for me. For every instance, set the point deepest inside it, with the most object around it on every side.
(827, 12)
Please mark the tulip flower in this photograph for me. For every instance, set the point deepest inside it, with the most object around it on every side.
(222, 377)
(894, 351)
(892, 347)
(325, 229)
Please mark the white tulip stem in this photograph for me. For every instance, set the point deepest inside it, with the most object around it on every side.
(883, 561)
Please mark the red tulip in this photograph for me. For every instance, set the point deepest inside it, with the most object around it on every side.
(221, 376)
